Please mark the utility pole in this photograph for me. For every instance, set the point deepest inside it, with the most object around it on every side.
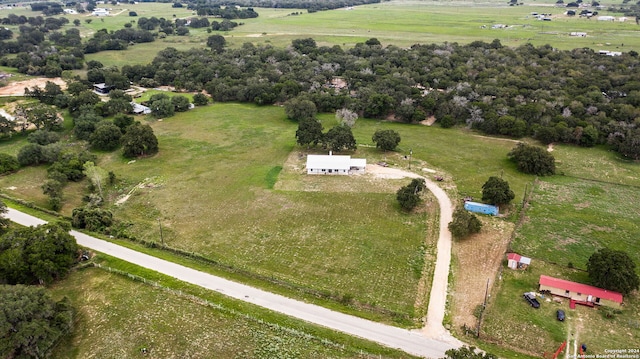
(161, 237)
(524, 197)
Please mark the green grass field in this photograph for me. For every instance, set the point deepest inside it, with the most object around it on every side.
(569, 219)
(210, 190)
(117, 318)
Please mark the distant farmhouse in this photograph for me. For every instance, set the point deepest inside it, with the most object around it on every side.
(335, 165)
(580, 293)
(610, 53)
(100, 12)
(102, 89)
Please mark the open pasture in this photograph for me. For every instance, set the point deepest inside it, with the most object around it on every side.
(569, 219)
(209, 188)
(117, 318)
(406, 23)
(400, 23)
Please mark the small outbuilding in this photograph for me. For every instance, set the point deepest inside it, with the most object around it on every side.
(516, 261)
(580, 293)
(481, 208)
(335, 165)
(102, 88)
(139, 109)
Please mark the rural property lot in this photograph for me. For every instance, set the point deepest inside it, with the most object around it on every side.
(228, 184)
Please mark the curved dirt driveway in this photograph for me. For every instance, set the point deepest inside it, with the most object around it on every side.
(438, 296)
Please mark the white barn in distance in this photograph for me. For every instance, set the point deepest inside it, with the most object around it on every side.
(335, 165)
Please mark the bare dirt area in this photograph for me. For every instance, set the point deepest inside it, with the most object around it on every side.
(17, 88)
(429, 121)
(478, 258)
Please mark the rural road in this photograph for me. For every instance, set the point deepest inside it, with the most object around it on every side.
(411, 341)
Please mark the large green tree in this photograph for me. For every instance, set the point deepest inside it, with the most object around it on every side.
(386, 140)
(139, 140)
(409, 196)
(613, 270)
(8, 163)
(31, 323)
(106, 136)
(309, 132)
(298, 109)
(464, 223)
(533, 160)
(497, 191)
(340, 138)
(216, 43)
(37, 254)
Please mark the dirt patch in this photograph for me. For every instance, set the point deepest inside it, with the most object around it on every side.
(17, 88)
(478, 259)
(429, 121)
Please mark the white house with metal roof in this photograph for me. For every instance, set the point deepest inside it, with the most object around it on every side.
(334, 165)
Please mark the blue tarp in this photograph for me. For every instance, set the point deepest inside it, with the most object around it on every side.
(481, 208)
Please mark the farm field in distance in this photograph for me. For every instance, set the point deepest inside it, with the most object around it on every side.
(400, 23)
(228, 184)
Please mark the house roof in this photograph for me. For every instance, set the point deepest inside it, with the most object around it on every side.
(332, 162)
(581, 288)
(358, 162)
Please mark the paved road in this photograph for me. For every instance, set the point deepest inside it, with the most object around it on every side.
(413, 342)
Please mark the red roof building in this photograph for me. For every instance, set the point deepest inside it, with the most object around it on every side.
(580, 292)
(516, 261)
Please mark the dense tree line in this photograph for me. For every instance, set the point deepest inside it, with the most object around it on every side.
(227, 12)
(310, 5)
(31, 322)
(32, 255)
(576, 96)
(42, 50)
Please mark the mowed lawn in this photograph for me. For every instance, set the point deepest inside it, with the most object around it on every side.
(117, 317)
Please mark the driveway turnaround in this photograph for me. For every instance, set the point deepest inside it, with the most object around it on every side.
(410, 341)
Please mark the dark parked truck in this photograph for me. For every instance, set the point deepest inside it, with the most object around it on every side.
(531, 298)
